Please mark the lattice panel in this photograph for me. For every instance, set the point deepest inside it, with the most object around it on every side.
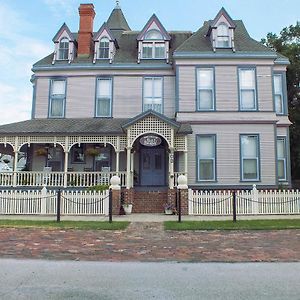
(8, 140)
(56, 140)
(151, 124)
(123, 142)
(179, 143)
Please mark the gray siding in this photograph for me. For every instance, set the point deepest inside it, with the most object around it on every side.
(169, 96)
(226, 88)
(127, 96)
(42, 97)
(228, 153)
(187, 87)
(264, 88)
(80, 97)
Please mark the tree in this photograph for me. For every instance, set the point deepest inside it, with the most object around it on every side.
(288, 44)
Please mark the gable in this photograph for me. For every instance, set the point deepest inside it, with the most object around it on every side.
(63, 32)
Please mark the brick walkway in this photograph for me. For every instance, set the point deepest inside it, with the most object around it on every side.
(149, 242)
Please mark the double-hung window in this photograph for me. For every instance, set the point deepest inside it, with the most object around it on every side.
(206, 157)
(104, 48)
(205, 89)
(222, 36)
(278, 94)
(153, 47)
(281, 158)
(57, 98)
(153, 93)
(63, 51)
(250, 157)
(247, 87)
(103, 97)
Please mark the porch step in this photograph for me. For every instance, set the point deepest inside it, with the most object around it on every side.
(149, 201)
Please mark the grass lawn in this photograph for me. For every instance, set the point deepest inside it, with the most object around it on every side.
(230, 225)
(82, 225)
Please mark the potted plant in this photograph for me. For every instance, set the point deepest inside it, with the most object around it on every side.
(41, 152)
(127, 208)
(169, 209)
(92, 152)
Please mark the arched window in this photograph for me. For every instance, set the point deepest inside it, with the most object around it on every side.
(63, 52)
(223, 36)
(104, 48)
(154, 45)
(153, 35)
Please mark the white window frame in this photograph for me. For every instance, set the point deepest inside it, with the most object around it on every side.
(153, 98)
(283, 159)
(205, 88)
(64, 50)
(154, 44)
(53, 97)
(218, 45)
(253, 89)
(280, 94)
(212, 159)
(256, 157)
(103, 98)
(106, 48)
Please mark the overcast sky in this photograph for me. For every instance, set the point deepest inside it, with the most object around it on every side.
(27, 28)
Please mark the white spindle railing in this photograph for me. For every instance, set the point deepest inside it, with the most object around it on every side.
(56, 179)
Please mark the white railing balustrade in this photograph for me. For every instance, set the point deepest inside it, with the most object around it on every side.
(34, 202)
(56, 179)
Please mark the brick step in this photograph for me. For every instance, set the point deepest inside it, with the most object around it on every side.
(149, 201)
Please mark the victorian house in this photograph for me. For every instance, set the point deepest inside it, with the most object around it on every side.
(151, 104)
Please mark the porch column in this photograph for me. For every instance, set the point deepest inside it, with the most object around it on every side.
(131, 169)
(66, 168)
(128, 183)
(171, 168)
(185, 162)
(117, 162)
(15, 168)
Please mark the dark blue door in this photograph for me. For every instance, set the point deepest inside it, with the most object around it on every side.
(152, 166)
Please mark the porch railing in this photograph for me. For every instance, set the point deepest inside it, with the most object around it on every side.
(59, 179)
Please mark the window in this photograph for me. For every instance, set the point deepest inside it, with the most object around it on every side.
(63, 51)
(205, 89)
(104, 97)
(57, 98)
(247, 88)
(206, 157)
(250, 157)
(222, 36)
(104, 48)
(153, 89)
(154, 45)
(281, 158)
(278, 94)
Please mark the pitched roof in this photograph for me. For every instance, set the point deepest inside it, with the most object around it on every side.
(117, 20)
(88, 126)
(224, 13)
(200, 42)
(63, 27)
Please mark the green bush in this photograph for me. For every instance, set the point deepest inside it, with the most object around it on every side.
(98, 188)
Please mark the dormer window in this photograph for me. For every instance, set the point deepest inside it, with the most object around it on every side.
(104, 48)
(223, 36)
(154, 45)
(63, 51)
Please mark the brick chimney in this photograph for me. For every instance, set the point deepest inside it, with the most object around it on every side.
(85, 33)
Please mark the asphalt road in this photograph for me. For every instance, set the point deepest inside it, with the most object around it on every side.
(39, 279)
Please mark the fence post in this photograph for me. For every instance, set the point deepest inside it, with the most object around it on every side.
(255, 200)
(234, 205)
(182, 187)
(43, 200)
(58, 206)
(110, 206)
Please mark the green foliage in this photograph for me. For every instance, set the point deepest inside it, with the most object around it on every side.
(230, 225)
(80, 225)
(98, 188)
(288, 44)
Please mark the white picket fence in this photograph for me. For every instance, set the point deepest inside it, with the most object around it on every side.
(253, 202)
(33, 202)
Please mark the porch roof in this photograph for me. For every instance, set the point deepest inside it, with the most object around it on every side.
(73, 126)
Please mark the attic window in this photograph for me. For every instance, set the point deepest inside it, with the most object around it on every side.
(104, 48)
(154, 46)
(63, 51)
(223, 36)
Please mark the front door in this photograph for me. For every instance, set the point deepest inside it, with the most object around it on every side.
(152, 166)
